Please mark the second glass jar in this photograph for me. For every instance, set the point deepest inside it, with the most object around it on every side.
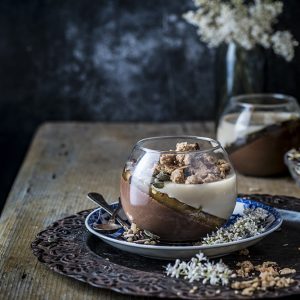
(257, 129)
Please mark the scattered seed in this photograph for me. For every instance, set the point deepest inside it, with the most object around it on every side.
(158, 185)
(142, 241)
(286, 271)
(139, 236)
(193, 289)
(244, 252)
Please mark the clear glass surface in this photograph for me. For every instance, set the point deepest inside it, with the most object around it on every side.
(179, 188)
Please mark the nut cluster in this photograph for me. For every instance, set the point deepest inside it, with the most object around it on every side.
(139, 236)
(192, 167)
(270, 277)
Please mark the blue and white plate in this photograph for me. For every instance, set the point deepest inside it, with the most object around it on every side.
(187, 250)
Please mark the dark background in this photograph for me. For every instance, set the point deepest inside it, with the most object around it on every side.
(109, 60)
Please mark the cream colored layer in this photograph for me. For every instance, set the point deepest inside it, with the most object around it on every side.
(216, 198)
(235, 126)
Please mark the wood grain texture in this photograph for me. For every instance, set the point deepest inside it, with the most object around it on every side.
(64, 162)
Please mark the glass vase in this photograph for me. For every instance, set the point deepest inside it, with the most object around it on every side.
(238, 71)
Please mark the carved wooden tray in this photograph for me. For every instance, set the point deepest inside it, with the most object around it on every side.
(66, 247)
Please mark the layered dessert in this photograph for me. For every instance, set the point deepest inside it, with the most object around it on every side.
(181, 195)
(256, 142)
(292, 160)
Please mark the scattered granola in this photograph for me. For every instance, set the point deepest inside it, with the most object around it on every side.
(246, 267)
(139, 236)
(244, 252)
(268, 278)
(248, 291)
(268, 267)
(287, 271)
(193, 289)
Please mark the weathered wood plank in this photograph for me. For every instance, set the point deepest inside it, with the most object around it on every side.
(65, 161)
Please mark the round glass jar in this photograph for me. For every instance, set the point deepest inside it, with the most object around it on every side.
(257, 129)
(180, 194)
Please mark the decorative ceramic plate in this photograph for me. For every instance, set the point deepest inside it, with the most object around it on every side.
(187, 250)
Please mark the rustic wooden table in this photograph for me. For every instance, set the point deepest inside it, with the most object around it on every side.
(64, 162)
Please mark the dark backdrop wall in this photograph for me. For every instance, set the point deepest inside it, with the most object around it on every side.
(109, 60)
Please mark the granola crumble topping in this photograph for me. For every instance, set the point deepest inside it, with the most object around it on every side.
(192, 168)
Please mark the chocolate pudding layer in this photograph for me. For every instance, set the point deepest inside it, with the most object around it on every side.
(171, 224)
(261, 153)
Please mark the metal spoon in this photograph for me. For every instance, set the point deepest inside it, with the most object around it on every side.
(99, 199)
(110, 226)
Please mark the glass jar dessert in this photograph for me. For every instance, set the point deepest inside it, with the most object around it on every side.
(257, 129)
(181, 194)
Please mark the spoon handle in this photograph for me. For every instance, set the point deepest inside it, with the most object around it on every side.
(115, 213)
(99, 199)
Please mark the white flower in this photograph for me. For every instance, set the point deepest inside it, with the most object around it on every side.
(200, 257)
(250, 224)
(247, 25)
(283, 44)
(200, 268)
